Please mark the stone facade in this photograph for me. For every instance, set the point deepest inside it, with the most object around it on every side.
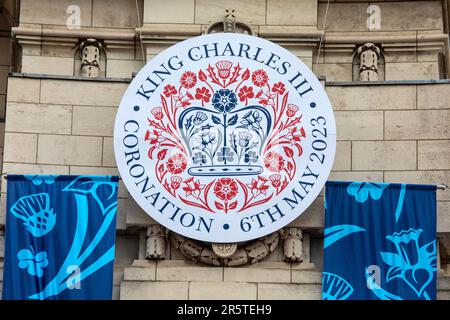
(59, 117)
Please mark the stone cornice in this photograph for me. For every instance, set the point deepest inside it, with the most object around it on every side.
(175, 32)
(166, 33)
(69, 37)
(388, 41)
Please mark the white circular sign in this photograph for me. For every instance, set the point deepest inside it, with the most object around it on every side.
(225, 137)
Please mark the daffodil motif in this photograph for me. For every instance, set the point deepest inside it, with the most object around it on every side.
(412, 263)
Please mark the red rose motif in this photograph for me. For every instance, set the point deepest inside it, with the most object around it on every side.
(225, 189)
(258, 186)
(157, 113)
(169, 90)
(188, 79)
(202, 94)
(177, 164)
(245, 93)
(279, 88)
(274, 162)
(260, 78)
(291, 110)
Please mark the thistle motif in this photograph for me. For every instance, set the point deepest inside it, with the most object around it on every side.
(36, 214)
(224, 68)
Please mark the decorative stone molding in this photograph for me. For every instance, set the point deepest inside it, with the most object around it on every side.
(293, 246)
(224, 250)
(368, 55)
(37, 41)
(156, 242)
(243, 254)
(346, 44)
(90, 57)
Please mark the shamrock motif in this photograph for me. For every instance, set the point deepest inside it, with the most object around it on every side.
(34, 263)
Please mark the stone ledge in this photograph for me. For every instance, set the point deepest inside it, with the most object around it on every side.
(149, 290)
(54, 32)
(183, 270)
(289, 291)
(269, 272)
(443, 283)
(222, 291)
(171, 30)
(387, 82)
(75, 78)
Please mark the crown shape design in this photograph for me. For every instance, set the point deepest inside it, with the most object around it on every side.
(225, 139)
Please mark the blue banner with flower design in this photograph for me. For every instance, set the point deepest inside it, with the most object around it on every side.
(60, 233)
(379, 241)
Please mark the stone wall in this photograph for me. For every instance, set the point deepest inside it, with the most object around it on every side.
(395, 131)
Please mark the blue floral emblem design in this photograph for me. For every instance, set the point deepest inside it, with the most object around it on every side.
(85, 189)
(412, 263)
(34, 263)
(224, 100)
(362, 190)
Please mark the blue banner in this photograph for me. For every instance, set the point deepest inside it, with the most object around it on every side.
(379, 241)
(60, 233)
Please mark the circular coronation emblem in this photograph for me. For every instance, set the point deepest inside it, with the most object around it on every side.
(225, 138)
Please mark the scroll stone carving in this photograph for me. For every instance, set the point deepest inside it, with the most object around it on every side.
(156, 242)
(204, 253)
(293, 246)
(369, 55)
(224, 250)
(90, 58)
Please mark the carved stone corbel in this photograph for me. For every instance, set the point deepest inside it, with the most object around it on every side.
(293, 246)
(90, 58)
(156, 242)
(368, 62)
